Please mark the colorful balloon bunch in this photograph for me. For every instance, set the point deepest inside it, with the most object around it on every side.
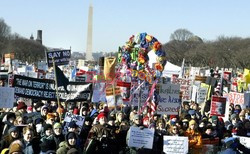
(134, 54)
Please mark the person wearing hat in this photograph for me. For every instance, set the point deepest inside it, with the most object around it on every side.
(47, 141)
(72, 127)
(101, 135)
(234, 119)
(69, 143)
(84, 111)
(58, 136)
(21, 108)
(7, 121)
(44, 112)
(194, 138)
(86, 128)
(13, 134)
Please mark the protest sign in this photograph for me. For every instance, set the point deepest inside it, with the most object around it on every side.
(169, 99)
(61, 57)
(135, 94)
(44, 89)
(245, 141)
(218, 106)
(185, 87)
(141, 138)
(175, 145)
(6, 97)
(98, 93)
(79, 120)
(201, 95)
(236, 98)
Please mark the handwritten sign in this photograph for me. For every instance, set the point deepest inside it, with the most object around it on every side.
(169, 99)
(141, 138)
(218, 106)
(185, 87)
(6, 97)
(175, 145)
(236, 98)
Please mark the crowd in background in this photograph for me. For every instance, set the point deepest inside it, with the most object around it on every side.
(107, 130)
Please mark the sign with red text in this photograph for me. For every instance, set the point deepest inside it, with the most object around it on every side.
(218, 106)
(236, 98)
(169, 99)
(185, 87)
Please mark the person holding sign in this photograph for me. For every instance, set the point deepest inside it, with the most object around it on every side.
(194, 138)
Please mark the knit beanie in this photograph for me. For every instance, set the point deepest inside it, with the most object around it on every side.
(57, 125)
(12, 129)
(71, 135)
(47, 126)
(101, 115)
(72, 124)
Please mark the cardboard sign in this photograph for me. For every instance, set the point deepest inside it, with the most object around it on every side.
(236, 98)
(79, 120)
(61, 57)
(175, 144)
(218, 106)
(141, 138)
(185, 88)
(6, 97)
(169, 99)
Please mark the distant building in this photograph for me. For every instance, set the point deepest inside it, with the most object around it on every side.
(39, 37)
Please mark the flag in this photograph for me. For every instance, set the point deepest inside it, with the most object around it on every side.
(61, 79)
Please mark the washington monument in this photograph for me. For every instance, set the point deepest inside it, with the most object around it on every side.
(89, 55)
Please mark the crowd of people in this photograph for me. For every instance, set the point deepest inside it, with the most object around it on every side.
(107, 130)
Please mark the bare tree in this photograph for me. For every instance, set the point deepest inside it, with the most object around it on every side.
(181, 35)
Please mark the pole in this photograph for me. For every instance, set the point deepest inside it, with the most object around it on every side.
(139, 100)
(57, 96)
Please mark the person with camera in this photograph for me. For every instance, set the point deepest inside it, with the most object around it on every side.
(100, 138)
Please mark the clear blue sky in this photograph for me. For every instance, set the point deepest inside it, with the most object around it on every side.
(64, 22)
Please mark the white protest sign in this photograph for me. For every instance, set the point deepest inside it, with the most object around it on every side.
(169, 99)
(201, 95)
(245, 141)
(6, 97)
(141, 138)
(236, 98)
(99, 93)
(185, 87)
(175, 145)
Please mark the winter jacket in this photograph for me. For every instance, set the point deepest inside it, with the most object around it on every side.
(194, 141)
